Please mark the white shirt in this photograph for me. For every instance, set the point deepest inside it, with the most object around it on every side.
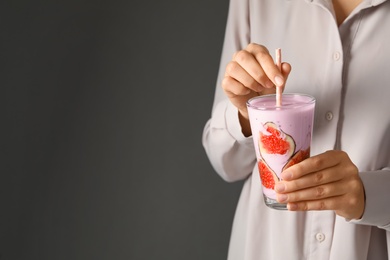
(347, 69)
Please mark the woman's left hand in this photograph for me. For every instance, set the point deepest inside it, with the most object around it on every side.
(329, 181)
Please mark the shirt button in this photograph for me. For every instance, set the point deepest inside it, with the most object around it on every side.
(336, 55)
(320, 237)
(329, 116)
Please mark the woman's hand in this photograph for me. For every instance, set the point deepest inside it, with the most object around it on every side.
(252, 72)
(329, 181)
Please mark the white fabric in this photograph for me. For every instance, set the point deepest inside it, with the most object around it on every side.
(346, 68)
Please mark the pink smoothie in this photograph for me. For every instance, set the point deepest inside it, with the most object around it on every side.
(281, 135)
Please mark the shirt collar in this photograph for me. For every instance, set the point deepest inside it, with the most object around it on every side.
(365, 3)
(375, 2)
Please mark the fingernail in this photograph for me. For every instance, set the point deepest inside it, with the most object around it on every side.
(280, 187)
(282, 197)
(279, 81)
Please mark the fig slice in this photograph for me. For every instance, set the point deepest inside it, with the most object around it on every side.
(267, 175)
(297, 158)
(273, 140)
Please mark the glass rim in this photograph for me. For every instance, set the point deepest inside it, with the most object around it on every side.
(310, 101)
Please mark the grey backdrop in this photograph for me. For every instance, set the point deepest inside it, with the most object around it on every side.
(103, 106)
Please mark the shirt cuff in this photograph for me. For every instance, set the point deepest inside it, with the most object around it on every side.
(377, 210)
(233, 124)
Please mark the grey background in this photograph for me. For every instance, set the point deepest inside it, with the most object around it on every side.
(103, 106)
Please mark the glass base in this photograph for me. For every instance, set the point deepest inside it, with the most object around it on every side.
(274, 204)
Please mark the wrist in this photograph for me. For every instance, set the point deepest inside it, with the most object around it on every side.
(243, 118)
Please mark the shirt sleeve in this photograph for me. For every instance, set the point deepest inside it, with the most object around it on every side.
(231, 154)
(377, 208)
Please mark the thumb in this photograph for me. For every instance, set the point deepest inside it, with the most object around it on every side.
(286, 69)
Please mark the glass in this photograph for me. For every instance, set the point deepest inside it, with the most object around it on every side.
(281, 136)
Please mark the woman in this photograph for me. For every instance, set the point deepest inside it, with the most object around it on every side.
(339, 199)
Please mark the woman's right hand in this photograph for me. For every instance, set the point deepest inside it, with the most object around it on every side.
(252, 72)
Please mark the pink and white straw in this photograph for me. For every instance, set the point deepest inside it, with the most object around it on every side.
(278, 58)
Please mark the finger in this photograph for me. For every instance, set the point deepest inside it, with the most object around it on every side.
(325, 204)
(247, 61)
(236, 71)
(347, 206)
(267, 63)
(314, 193)
(232, 87)
(310, 165)
(237, 93)
(342, 205)
(310, 180)
(286, 69)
